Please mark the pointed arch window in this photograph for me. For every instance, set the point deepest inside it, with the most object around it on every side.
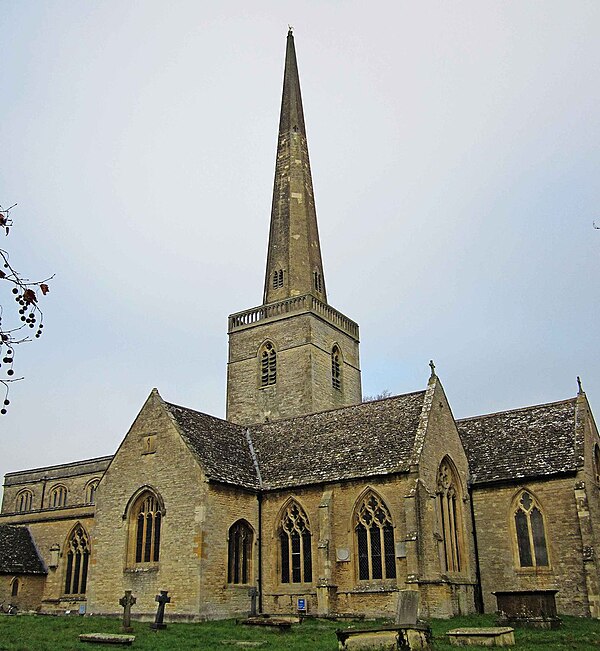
(24, 501)
(374, 539)
(268, 364)
(145, 528)
(14, 587)
(58, 497)
(240, 552)
(336, 368)
(78, 556)
(90, 491)
(449, 514)
(295, 545)
(278, 278)
(530, 532)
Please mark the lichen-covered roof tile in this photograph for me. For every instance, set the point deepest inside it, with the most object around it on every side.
(530, 442)
(220, 446)
(18, 553)
(373, 438)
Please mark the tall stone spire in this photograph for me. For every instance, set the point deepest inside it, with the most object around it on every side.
(294, 265)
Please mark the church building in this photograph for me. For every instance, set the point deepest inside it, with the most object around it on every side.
(304, 494)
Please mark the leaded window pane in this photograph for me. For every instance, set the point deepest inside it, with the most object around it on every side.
(285, 558)
(522, 527)
(363, 553)
(539, 537)
(375, 547)
(389, 551)
(295, 537)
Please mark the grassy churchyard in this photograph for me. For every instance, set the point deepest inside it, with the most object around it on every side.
(44, 633)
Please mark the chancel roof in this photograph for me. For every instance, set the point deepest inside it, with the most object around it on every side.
(373, 438)
(521, 443)
(18, 553)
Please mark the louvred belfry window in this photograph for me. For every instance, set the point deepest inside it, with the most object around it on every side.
(147, 519)
(449, 515)
(268, 365)
(374, 539)
(295, 543)
(78, 555)
(336, 369)
(24, 501)
(531, 533)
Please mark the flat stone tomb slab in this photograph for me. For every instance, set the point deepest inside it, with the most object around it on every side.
(107, 638)
(493, 636)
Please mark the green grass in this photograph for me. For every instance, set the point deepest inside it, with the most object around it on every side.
(38, 633)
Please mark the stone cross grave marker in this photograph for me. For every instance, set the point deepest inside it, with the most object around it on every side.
(253, 594)
(127, 601)
(408, 607)
(162, 600)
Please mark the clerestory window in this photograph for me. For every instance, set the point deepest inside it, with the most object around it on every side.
(374, 539)
(24, 501)
(530, 531)
(268, 364)
(90, 491)
(295, 546)
(58, 497)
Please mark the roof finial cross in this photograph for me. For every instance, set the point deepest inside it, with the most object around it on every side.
(579, 384)
(432, 367)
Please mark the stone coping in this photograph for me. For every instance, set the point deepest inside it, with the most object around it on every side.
(492, 630)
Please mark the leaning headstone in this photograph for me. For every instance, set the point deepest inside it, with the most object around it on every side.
(162, 600)
(127, 601)
(408, 608)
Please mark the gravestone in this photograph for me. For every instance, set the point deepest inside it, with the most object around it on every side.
(162, 600)
(127, 601)
(253, 594)
(408, 608)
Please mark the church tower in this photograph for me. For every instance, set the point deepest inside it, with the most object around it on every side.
(294, 354)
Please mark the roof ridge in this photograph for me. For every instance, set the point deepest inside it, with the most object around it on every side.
(332, 409)
(517, 409)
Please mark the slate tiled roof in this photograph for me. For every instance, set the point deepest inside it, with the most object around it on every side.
(372, 438)
(221, 447)
(18, 554)
(531, 442)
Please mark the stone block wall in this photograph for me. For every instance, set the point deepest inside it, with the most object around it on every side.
(303, 343)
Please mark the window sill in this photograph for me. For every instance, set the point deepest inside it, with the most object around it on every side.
(141, 569)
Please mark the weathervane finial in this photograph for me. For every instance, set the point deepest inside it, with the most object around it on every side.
(290, 29)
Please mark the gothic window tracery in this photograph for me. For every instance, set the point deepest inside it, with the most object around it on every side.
(295, 546)
(78, 554)
(530, 532)
(268, 364)
(240, 552)
(336, 368)
(24, 501)
(145, 525)
(449, 515)
(374, 539)
(58, 497)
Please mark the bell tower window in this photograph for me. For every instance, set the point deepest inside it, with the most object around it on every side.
(318, 281)
(336, 368)
(268, 365)
(278, 279)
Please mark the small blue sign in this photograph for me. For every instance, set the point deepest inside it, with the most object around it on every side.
(302, 604)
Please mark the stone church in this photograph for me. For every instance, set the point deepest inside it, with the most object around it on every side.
(305, 495)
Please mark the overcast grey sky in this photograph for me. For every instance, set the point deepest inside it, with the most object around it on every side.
(455, 150)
